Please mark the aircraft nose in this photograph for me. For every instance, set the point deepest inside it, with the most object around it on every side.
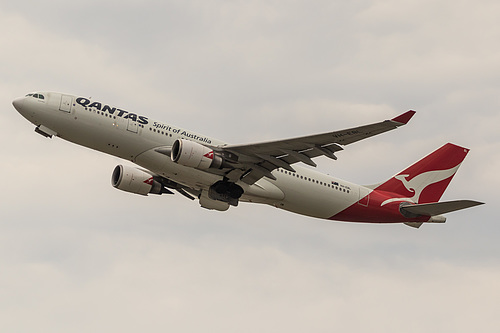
(18, 104)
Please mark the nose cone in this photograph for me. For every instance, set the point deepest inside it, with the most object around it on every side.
(18, 104)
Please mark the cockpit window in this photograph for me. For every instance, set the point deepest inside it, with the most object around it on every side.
(39, 96)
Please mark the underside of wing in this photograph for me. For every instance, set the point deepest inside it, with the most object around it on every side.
(255, 161)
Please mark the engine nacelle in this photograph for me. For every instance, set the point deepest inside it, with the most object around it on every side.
(135, 181)
(194, 155)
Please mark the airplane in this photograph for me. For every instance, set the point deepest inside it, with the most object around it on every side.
(218, 174)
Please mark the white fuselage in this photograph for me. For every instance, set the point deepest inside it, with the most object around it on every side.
(135, 138)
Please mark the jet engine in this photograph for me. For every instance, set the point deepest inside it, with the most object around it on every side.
(192, 154)
(135, 181)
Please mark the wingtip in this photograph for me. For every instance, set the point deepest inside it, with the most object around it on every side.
(404, 118)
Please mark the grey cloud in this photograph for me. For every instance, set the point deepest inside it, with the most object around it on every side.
(73, 249)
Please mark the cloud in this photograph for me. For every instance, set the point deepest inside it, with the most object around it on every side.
(157, 284)
(75, 250)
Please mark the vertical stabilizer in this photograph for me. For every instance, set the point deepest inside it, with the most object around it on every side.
(426, 180)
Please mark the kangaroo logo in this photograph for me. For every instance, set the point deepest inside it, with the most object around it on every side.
(149, 181)
(418, 183)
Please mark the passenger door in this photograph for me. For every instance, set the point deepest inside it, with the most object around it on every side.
(132, 125)
(66, 102)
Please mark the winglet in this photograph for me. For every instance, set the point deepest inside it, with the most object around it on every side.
(404, 118)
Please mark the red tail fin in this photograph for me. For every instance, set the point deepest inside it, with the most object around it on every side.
(426, 180)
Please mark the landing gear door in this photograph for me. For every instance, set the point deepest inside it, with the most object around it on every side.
(66, 102)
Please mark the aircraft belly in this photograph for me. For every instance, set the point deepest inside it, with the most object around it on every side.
(315, 199)
(105, 139)
(319, 204)
(262, 191)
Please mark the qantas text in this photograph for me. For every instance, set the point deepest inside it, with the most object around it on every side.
(111, 110)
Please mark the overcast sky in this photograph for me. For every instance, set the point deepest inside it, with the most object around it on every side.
(77, 255)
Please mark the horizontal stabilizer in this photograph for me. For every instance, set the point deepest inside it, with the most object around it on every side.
(438, 208)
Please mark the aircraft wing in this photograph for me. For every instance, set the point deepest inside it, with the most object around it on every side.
(255, 161)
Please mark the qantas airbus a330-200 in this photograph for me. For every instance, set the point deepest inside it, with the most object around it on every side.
(221, 175)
